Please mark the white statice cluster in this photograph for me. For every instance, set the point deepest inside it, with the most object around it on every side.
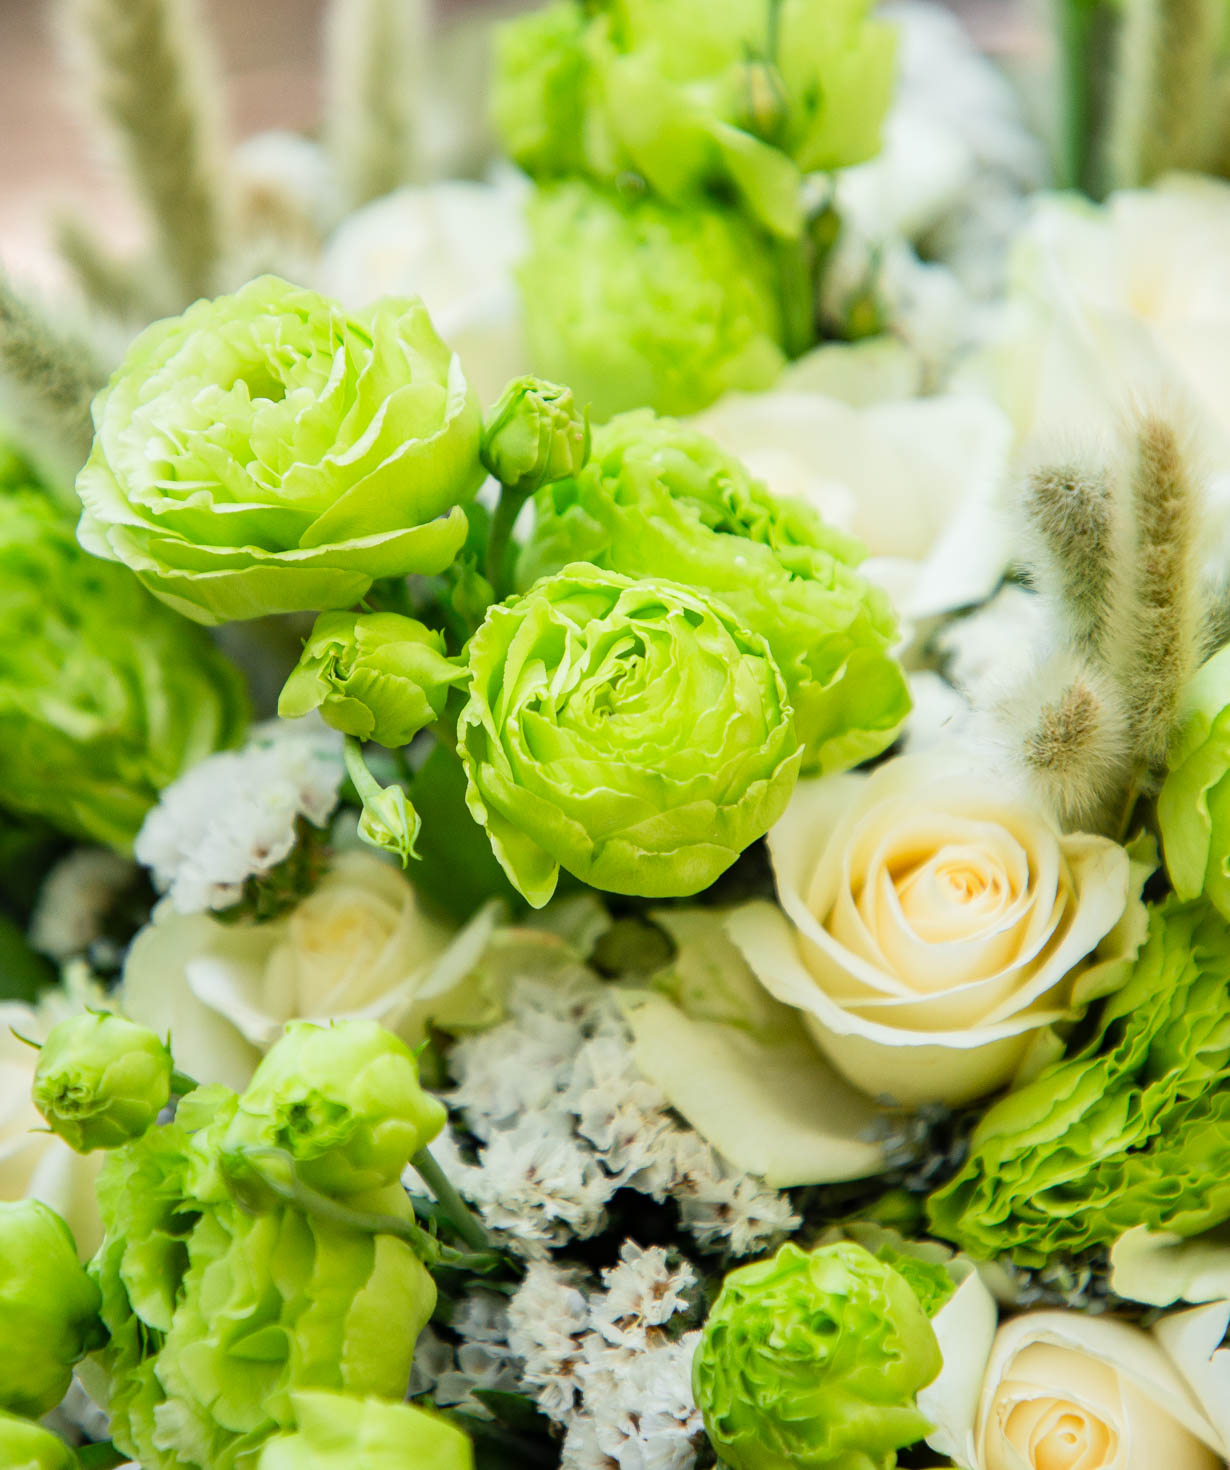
(564, 1119)
(605, 1363)
(481, 1361)
(234, 815)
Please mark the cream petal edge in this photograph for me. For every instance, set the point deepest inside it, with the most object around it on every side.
(965, 1330)
(1158, 1268)
(1192, 1341)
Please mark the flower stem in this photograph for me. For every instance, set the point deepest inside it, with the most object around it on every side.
(501, 549)
(460, 1216)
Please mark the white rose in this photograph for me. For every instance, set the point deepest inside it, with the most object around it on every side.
(358, 946)
(931, 925)
(918, 482)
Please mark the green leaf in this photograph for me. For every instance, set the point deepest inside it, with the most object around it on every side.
(23, 973)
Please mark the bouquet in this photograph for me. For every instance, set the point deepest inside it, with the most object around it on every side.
(615, 753)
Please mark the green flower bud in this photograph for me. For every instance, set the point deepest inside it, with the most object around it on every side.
(340, 1432)
(100, 1080)
(48, 1308)
(634, 733)
(105, 696)
(389, 821)
(376, 676)
(28, 1446)
(813, 1359)
(344, 1101)
(535, 434)
(266, 452)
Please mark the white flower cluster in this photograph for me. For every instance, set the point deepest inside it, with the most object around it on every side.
(483, 1360)
(233, 816)
(603, 1365)
(565, 1119)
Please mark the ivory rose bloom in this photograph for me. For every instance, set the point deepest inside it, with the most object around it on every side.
(358, 947)
(931, 925)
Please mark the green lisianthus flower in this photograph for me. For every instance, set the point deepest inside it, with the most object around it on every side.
(340, 1432)
(105, 696)
(658, 499)
(344, 1101)
(1134, 1130)
(28, 1446)
(632, 302)
(100, 1080)
(633, 733)
(376, 676)
(812, 1361)
(1193, 806)
(48, 1308)
(536, 433)
(266, 452)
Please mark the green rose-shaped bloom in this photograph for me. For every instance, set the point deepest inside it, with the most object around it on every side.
(658, 499)
(1134, 1130)
(535, 434)
(48, 1308)
(634, 302)
(813, 1359)
(105, 697)
(376, 676)
(1193, 807)
(27, 1446)
(344, 1100)
(266, 452)
(339, 1432)
(100, 1080)
(739, 98)
(633, 733)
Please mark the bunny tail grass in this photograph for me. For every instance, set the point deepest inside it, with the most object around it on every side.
(147, 63)
(110, 285)
(376, 53)
(1070, 509)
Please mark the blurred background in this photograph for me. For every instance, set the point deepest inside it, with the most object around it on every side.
(270, 51)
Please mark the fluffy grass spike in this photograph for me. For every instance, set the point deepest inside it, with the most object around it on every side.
(110, 285)
(1070, 507)
(376, 51)
(148, 67)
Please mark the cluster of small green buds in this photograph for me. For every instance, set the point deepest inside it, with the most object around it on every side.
(101, 1080)
(534, 435)
(48, 1310)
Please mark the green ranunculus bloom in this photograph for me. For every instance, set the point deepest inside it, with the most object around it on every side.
(28, 1446)
(105, 697)
(266, 452)
(658, 499)
(535, 434)
(811, 1361)
(696, 98)
(1193, 807)
(633, 733)
(634, 302)
(340, 1432)
(48, 1308)
(344, 1101)
(376, 676)
(101, 1081)
(1132, 1130)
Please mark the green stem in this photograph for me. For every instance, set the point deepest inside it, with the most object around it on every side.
(459, 1213)
(1075, 25)
(797, 291)
(501, 549)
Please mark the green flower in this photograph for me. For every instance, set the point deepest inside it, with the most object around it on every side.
(265, 452)
(340, 1432)
(534, 434)
(376, 676)
(1194, 805)
(344, 1101)
(813, 1359)
(100, 1080)
(48, 1308)
(105, 697)
(1134, 1130)
(658, 499)
(27, 1446)
(633, 733)
(634, 302)
(697, 99)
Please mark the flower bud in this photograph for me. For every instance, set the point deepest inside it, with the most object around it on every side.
(338, 1431)
(101, 1080)
(48, 1309)
(25, 1445)
(535, 434)
(344, 1101)
(376, 676)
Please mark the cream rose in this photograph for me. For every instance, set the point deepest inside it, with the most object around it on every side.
(360, 945)
(931, 926)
